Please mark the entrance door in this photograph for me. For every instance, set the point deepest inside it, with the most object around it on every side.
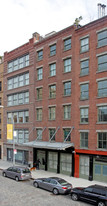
(66, 164)
(52, 161)
(42, 158)
(84, 167)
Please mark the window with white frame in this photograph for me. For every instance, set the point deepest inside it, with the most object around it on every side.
(102, 140)
(40, 73)
(102, 38)
(84, 115)
(39, 114)
(18, 63)
(52, 91)
(67, 88)
(84, 89)
(84, 67)
(18, 81)
(102, 114)
(85, 44)
(102, 63)
(52, 69)
(40, 55)
(67, 65)
(52, 50)
(39, 134)
(84, 140)
(67, 112)
(102, 88)
(67, 44)
(52, 113)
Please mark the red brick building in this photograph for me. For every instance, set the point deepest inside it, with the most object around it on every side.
(66, 112)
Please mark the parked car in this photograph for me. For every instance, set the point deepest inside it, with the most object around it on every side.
(54, 184)
(95, 194)
(17, 173)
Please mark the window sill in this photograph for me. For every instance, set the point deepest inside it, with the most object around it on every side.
(102, 97)
(52, 98)
(51, 119)
(51, 76)
(82, 52)
(82, 123)
(66, 119)
(100, 71)
(84, 99)
(38, 60)
(52, 55)
(101, 149)
(66, 50)
(101, 46)
(66, 72)
(83, 75)
(67, 95)
(101, 122)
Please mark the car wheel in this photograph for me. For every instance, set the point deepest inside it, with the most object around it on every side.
(55, 191)
(4, 174)
(74, 197)
(36, 184)
(16, 178)
(101, 203)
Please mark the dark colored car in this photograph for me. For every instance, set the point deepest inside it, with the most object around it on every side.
(17, 173)
(54, 184)
(95, 194)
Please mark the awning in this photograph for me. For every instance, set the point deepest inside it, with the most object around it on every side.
(49, 145)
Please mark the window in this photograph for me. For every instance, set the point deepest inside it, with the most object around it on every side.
(0, 117)
(0, 133)
(39, 114)
(52, 91)
(102, 140)
(22, 136)
(51, 134)
(84, 67)
(84, 139)
(67, 88)
(67, 65)
(17, 99)
(39, 93)
(40, 55)
(18, 63)
(67, 44)
(84, 115)
(102, 88)
(53, 50)
(52, 113)
(0, 101)
(52, 69)
(85, 44)
(39, 134)
(84, 91)
(67, 134)
(67, 112)
(102, 38)
(40, 74)
(18, 81)
(19, 117)
(102, 114)
(102, 63)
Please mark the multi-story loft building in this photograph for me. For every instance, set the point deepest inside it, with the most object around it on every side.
(56, 92)
(1, 107)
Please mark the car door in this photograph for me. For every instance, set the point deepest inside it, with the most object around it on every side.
(45, 184)
(9, 172)
(88, 195)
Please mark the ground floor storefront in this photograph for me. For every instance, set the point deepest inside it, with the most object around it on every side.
(92, 165)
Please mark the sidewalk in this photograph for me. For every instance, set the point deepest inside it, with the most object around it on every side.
(76, 182)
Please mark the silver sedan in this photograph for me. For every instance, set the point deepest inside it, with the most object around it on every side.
(54, 184)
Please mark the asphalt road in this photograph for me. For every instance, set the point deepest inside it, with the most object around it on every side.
(23, 193)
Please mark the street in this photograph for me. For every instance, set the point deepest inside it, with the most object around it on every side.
(14, 193)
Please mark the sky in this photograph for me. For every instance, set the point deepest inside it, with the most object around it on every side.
(21, 18)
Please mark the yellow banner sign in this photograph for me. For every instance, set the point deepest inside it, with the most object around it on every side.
(10, 131)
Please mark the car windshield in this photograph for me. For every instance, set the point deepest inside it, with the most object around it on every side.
(26, 170)
(62, 182)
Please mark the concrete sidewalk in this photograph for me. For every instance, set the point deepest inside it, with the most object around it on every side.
(76, 182)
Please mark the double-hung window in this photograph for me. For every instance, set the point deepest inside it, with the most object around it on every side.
(84, 115)
(39, 134)
(102, 38)
(102, 114)
(40, 55)
(84, 140)
(52, 69)
(84, 91)
(84, 67)
(102, 88)
(39, 93)
(102, 140)
(85, 44)
(102, 63)
(67, 88)
(52, 50)
(52, 91)
(67, 44)
(67, 134)
(40, 73)
(67, 112)
(67, 65)
(51, 134)
(39, 114)
(52, 113)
